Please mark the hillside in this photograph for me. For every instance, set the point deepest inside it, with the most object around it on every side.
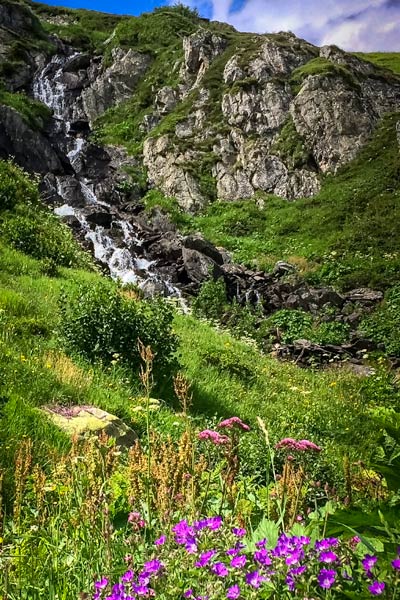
(196, 224)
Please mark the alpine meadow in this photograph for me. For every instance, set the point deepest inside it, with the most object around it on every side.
(199, 311)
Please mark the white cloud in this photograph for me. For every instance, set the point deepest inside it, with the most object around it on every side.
(352, 24)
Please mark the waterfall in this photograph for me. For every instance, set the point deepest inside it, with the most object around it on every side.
(112, 246)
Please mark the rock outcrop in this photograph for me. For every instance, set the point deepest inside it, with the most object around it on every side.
(29, 147)
(109, 86)
(84, 421)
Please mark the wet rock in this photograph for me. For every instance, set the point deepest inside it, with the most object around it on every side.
(282, 268)
(70, 190)
(77, 63)
(199, 267)
(197, 242)
(168, 248)
(30, 148)
(72, 222)
(104, 219)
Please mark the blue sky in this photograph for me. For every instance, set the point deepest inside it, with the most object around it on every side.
(364, 25)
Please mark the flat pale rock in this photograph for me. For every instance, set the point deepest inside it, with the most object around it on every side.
(85, 420)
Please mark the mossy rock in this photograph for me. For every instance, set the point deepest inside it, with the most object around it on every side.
(83, 421)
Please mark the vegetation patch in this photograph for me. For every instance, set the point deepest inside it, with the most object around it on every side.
(383, 325)
(290, 146)
(323, 67)
(101, 324)
(84, 29)
(34, 113)
(387, 60)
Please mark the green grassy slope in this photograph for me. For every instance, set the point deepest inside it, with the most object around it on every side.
(388, 60)
(227, 376)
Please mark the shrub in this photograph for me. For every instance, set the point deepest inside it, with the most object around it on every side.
(330, 332)
(211, 301)
(41, 235)
(292, 324)
(384, 324)
(15, 186)
(101, 323)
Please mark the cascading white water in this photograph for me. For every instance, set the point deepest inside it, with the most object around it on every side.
(49, 87)
(113, 251)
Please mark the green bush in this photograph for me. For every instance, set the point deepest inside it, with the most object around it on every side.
(41, 235)
(211, 301)
(16, 187)
(330, 332)
(384, 324)
(292, 324)
(100, 322)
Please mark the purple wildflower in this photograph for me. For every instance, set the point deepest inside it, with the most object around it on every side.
(239, 532)
(262, 543)
(261, 556)
(396, 564)
(305, 445)
(368, 562)
(136, 520)
(290, 582)
(294, 557)
(326, 578)
(233, 592)
(141, 590)
(100, 585)
(205, 558)
(160, 541)
(219, 568)
(238, 562)
(213, 436)
(201, 524)
(153, 566)
(214, 523)
(254, 579)
(232, 551)
(191, 546)
(299, 446)
(126, 577)
(326, 543)
(298, 570)
(328, 557)
(188, 593)
(377, 588)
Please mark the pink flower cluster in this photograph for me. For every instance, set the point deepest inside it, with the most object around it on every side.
(300, 446)
(214, 437)
(136, 520)
(234, 422)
